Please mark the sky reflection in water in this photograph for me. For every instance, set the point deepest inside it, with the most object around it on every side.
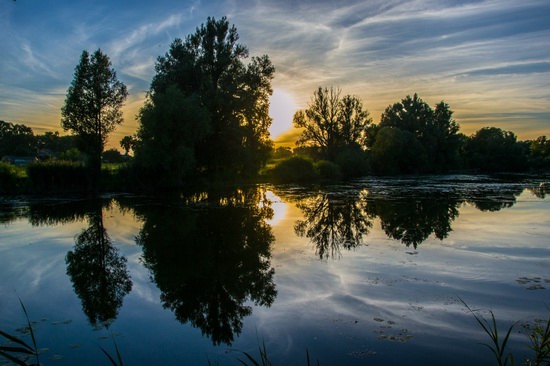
(370, 270)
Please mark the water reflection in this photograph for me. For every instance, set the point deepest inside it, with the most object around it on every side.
(332, 222)
(209, 254)
(413, 219)
(99, 274)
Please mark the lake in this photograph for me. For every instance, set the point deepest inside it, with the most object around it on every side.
(372, 271)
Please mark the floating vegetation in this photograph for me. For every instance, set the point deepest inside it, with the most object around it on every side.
(397, 336)
(362, 355)
(534, 283)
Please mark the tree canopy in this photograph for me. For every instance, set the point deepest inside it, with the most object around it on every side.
(93, 104)
(232, 99)
(332, 123)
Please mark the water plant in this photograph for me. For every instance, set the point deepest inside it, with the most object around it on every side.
(498, 344)
(21, 353)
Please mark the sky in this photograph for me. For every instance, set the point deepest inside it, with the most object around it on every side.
(488, 59)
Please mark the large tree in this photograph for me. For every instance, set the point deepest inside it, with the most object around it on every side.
(434, 129)
(332, 123)
(16, 139)
(208, 69)
(93, 105)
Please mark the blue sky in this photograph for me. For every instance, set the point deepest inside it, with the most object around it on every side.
(488, 59)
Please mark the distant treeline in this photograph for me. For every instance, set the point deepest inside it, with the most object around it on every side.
(206, 119)
(411, 138)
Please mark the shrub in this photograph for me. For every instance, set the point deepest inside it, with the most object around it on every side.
(10, 179)
(353, 163)
(294, 169)
(328, 170)
(57, 176)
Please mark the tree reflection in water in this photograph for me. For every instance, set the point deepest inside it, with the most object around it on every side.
(98, 273)
(209, 255)
(412, 219)
(332, 222)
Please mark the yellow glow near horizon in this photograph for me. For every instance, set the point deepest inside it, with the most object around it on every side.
(282, 107)
(279, 208)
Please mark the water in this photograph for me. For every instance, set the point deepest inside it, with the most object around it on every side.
(367, 272)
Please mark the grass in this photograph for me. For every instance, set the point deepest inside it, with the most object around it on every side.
(498, 344)
(19, 354)
(538, 335)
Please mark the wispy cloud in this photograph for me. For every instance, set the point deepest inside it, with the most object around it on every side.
(483, 57)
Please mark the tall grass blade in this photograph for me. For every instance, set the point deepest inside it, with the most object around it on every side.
(109, 356)
(16, 340)
(31, 331)
(498, 347)
(12, 358)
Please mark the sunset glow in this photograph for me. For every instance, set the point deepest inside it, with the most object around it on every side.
(487, 59)
(282, 109)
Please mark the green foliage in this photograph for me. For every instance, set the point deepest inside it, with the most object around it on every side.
(93, 105)
(57, 176)
(113, 156)
(282, 152)
(328, 170)
(353, 162)
(434, 130)
(331, 123)
(397, 152)
(208, 66)
(295, 169)
(494, 150)
(498, 344)
(171, 126)
(539, 336)
(15, 139)
(11, 179)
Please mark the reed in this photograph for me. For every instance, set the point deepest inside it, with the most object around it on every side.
(19, 354)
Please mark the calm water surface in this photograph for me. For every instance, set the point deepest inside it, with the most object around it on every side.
(364, 273)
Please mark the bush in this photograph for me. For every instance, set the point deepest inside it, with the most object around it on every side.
(294, 169)
(353, 163)
(328, 170)
(57, 176)
(10, 179)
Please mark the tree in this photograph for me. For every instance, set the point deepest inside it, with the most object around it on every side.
(16, 139)
(208, 69)
(331, 123)
(397, 152)
(93, 105)
(492, 149)
(128, 143)
(434, 129)
(171, 126)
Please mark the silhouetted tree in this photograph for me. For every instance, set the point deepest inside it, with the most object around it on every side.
(171, 127)
(98, 273)
(539, 153)
(16, 139)
(208, 69)
(215, 259)
(435, 130)
(93, 104)
(128, 143)
(397, 151)
(492, 149)
(332, 123)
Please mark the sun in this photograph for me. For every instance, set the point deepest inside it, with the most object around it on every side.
(281, 108)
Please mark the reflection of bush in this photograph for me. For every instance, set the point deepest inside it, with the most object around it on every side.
(210, 258)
